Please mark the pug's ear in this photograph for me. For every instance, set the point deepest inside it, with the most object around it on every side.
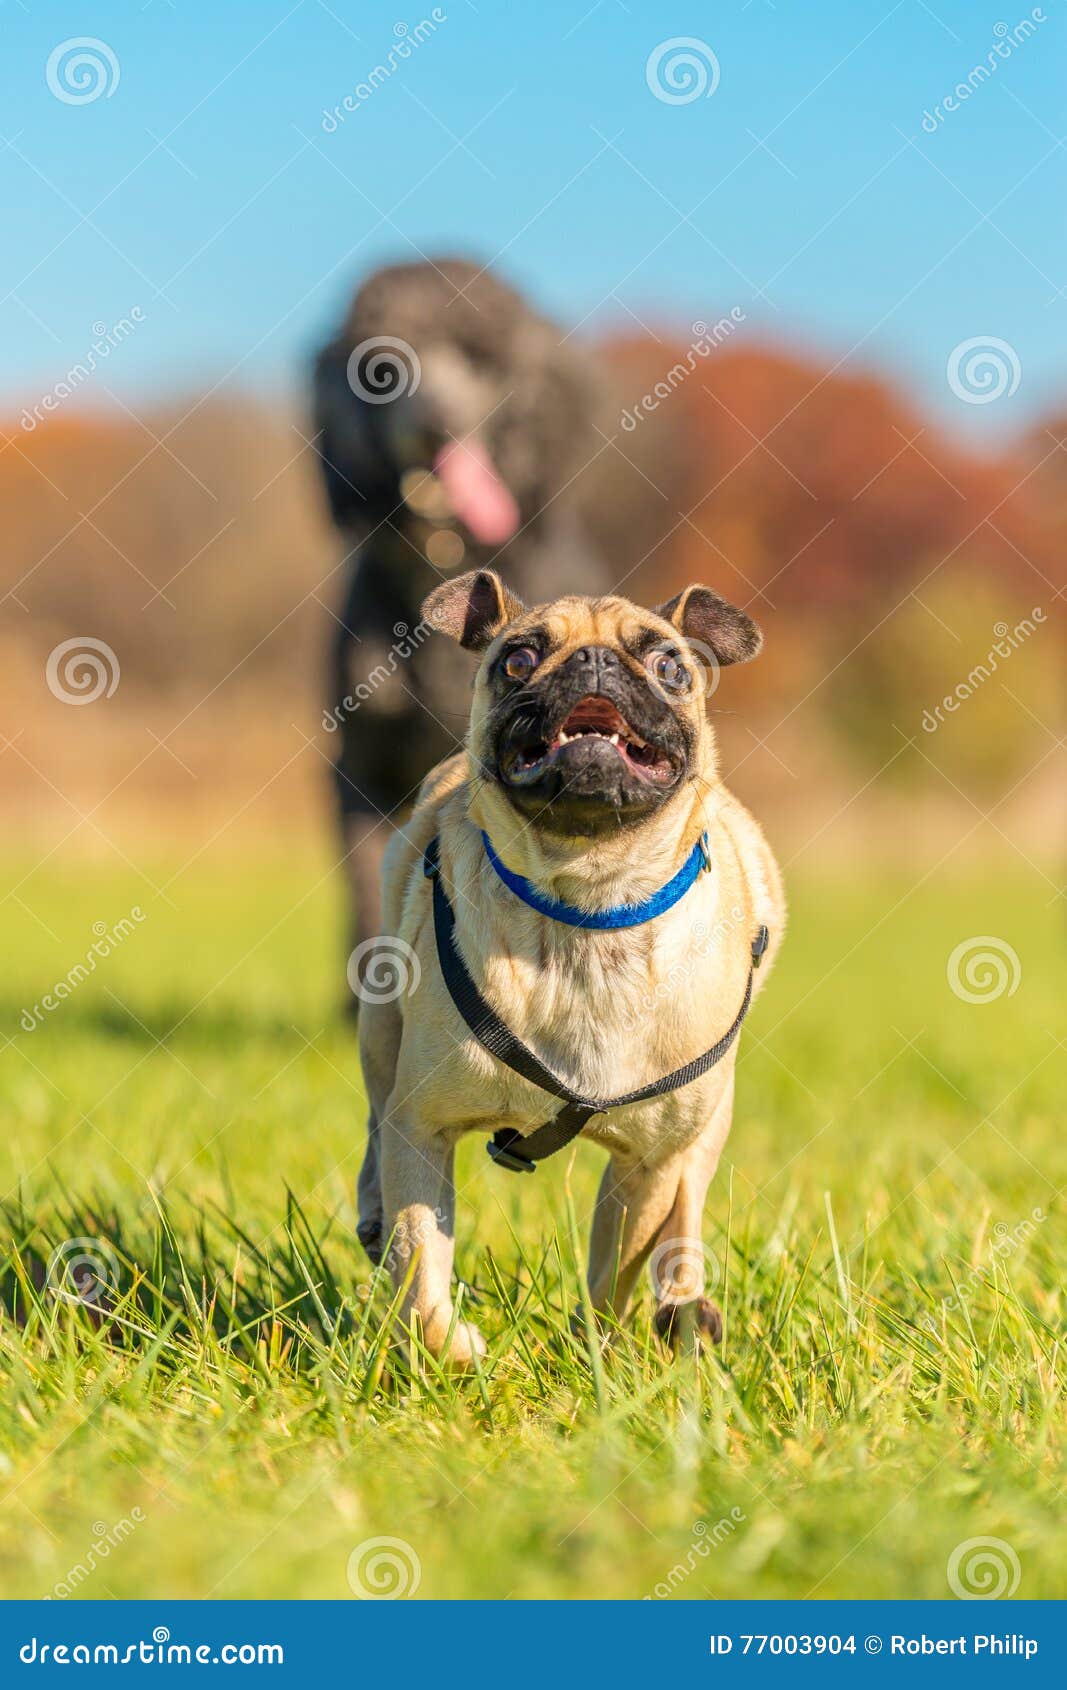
(472, 609)
(704, 617)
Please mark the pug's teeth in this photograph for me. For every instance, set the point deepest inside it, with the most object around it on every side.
(614, 739)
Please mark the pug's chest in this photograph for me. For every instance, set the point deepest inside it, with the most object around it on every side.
(599, 1057)
(610, 1014)
(600, 1020)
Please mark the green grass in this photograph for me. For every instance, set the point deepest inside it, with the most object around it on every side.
(889, 1386)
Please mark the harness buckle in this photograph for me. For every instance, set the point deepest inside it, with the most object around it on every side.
(759, 945)
(506, 1158)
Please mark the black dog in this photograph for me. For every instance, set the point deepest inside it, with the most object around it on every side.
(451, 420)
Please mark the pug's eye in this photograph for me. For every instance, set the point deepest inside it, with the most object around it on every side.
(668, 670)
(520, 664)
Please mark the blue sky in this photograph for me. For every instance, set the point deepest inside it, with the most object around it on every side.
(206, 190)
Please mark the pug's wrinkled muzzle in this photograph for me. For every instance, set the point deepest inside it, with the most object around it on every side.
(590, 746)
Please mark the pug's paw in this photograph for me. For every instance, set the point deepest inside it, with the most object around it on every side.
(700, 1316)
(459, 1352)
(467, 1346)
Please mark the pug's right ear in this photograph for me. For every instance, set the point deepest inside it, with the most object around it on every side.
(472, 609)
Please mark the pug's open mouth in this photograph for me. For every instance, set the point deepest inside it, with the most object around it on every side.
(594, 720)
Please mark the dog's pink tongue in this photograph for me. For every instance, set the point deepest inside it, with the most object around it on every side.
(478, 496)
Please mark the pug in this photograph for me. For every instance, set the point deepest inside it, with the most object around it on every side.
(575, 912)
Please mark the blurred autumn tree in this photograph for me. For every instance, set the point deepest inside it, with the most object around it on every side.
(878, 556)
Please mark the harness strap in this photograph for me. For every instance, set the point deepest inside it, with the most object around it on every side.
(498, 1039)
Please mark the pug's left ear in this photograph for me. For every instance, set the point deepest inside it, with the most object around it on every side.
(472, 609)
(702, 615)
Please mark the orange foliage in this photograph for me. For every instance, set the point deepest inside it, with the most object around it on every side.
(194, 541)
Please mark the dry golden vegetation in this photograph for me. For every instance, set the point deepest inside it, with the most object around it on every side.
(879, 558)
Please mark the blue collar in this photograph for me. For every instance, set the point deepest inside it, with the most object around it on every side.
(623, 915)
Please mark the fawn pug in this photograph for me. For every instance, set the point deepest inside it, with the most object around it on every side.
(581, 904)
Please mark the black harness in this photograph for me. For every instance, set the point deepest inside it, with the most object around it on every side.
(510, 1149)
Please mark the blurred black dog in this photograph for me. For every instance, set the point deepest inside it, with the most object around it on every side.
(451, 420)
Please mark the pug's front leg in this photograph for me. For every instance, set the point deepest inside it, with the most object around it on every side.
(419, 1202)
(654, 1214)
(679, 1259)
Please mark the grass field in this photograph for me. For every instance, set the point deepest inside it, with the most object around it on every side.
(886, 1227)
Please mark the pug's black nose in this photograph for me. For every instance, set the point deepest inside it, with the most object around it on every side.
(598, 660)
